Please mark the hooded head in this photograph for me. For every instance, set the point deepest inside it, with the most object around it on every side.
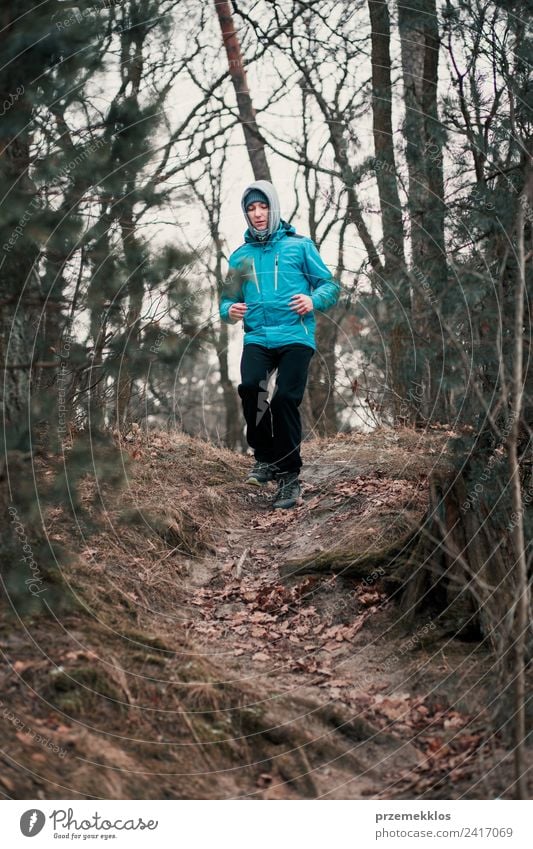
(265, 192)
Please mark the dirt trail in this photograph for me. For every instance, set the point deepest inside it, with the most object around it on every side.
(189, 667)
(372, 706)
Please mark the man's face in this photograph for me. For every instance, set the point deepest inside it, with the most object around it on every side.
(258, 214)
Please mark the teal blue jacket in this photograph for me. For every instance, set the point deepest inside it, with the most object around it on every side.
(265, 275)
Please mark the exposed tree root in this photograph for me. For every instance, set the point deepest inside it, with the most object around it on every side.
(384, 561)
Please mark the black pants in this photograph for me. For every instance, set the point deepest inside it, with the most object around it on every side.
(274, 430)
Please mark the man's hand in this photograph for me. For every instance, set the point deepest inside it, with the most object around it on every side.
(302, 304)
(236, 311)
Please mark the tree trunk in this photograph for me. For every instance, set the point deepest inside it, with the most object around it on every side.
(233, 434)
(321, 384)
(254, 140)
(385, 166)
(419, 37)
(20, 296)
(319, 408)
(522, 601)
(134, 256)
(397, 291)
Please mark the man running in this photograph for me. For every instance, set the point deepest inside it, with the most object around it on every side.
(276, 281)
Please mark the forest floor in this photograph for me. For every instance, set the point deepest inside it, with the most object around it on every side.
(193, 662)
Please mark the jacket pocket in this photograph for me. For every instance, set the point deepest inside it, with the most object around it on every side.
(304, 325)
(250, 281)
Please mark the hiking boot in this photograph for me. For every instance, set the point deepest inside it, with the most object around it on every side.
(261, 473)
(289, 490)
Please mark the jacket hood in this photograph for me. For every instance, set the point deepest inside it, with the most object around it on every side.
(274, 214)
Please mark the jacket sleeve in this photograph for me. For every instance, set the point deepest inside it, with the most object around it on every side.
(325, 288)
(231, 293)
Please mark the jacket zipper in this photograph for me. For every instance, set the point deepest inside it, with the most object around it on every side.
(303, 325)
(276, 273)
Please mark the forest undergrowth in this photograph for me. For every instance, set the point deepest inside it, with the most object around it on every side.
(212, 647)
